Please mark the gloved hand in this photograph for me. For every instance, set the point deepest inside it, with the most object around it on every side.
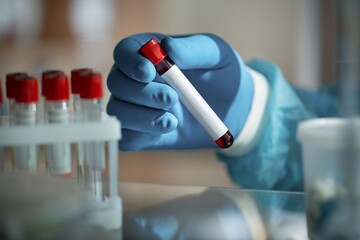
(210, 215)
(149, 110)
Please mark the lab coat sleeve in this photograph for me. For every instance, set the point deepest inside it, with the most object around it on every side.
(272, 157)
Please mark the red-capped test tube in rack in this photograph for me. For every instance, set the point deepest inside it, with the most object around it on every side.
(77, 79)
(11, 91)
(44, 80)
(91, 94)
(188, 95)
(25, 113)
(56, 94)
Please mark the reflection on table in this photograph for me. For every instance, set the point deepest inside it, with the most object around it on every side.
(155, 211)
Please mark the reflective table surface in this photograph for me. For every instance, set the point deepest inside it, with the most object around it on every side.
(160, 211)
(42, 207)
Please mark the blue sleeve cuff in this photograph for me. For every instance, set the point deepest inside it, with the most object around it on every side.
(253, 126)
(275, 162)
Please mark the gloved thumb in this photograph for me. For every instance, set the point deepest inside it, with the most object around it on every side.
(203, 51)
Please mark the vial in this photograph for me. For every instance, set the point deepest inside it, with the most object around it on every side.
(44, 80)
(188, 95)
(25, 113)
(56, 93)
(11, 91)
(91, 94)
(77, 79)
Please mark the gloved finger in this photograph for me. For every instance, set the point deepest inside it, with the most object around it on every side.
(153, 94)
(141, 118)
(133, 140)
(198, 51)
(128, 59)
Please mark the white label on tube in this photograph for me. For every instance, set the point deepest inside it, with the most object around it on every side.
(26, 157)
(193, 101)
(59, 155)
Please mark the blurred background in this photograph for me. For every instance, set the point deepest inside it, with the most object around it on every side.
(300, 36)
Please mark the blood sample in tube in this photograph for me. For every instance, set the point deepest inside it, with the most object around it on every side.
(188, 95)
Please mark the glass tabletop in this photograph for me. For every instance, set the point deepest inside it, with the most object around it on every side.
(161, 211)
(44, 207)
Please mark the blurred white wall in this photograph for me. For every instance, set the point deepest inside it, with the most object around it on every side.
(286, 32)
(256, 28)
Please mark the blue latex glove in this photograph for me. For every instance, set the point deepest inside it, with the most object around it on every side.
(149, 110)
(210, 215)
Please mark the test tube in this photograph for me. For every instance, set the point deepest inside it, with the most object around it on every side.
(56, 93)
(188, 95)
(44, 76)
(91, 95)
(25, 113)
(77, 78)
(11, 91)
(44, 88)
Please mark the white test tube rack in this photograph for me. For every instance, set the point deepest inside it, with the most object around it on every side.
(109, 210)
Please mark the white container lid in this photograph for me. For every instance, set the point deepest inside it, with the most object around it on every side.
(330, 133)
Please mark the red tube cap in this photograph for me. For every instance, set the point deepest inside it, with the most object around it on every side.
(153, 51)
(10, 83)
(77, 77)
(46, 75)
(92, 87)
(57, 87)
(27, 90)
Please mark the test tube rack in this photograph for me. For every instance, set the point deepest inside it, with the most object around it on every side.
(109, 210)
